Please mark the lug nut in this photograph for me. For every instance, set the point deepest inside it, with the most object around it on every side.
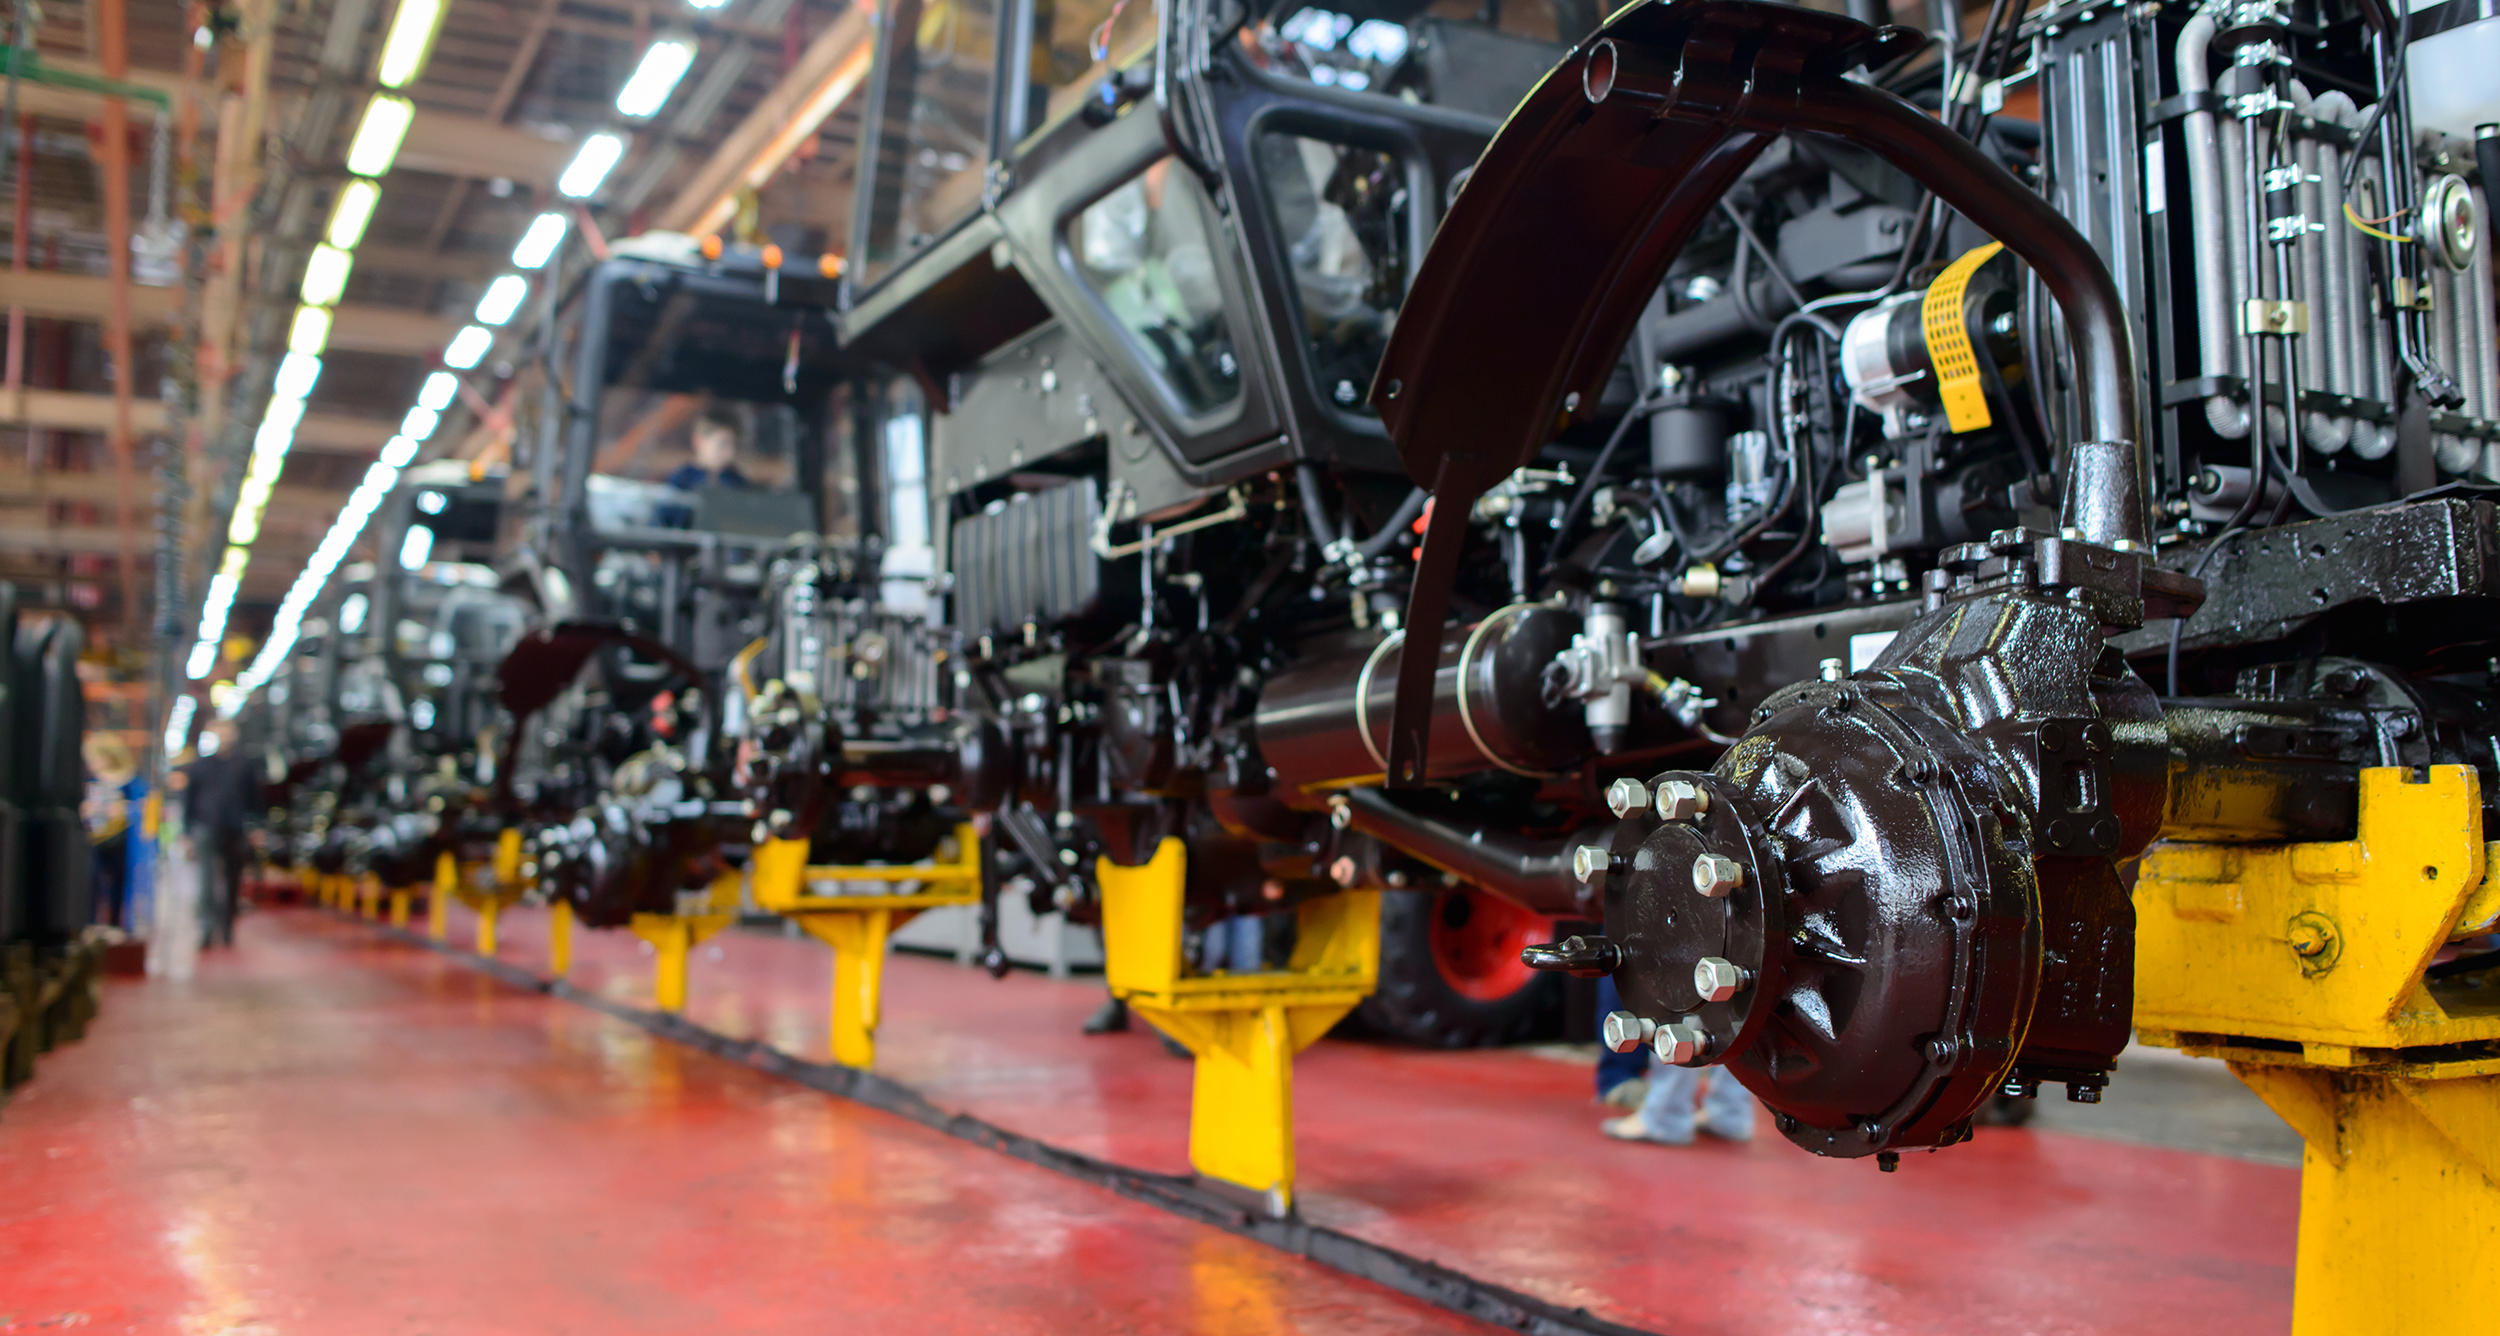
(1626, 796)
(1625, 1032)
(1589, 863)
(1344, 871)
(1682, 800)
(1716, 877)
(1833, 670)
(1718, 979)
(1680, 1045)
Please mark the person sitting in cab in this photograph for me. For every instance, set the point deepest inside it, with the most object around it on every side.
(715, 462)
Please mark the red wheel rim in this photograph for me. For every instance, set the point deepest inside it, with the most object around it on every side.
(1476, 940)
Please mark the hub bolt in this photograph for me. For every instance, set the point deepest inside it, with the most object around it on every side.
(1833, 670)
(1589, 863)
(1682, 800)
(1718, 979)
(1680, 1045)
(1626, 796)
(1717, 877)
(1625, 1032)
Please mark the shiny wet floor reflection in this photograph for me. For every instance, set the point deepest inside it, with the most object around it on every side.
(1490, 1162)
(325, 1134)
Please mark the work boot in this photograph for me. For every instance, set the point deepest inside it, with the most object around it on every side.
(1110, 1018)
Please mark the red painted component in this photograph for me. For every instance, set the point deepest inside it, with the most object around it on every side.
(1476, 940)
(327, 1133)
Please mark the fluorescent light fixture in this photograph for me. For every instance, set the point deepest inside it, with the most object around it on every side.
(413, 551)
(590, 165)
(296, 374)
(284, 414)
(325, 275)
(178, 719)
(350, 214)
(376, 144)
(664, 62)
(397, 451)
(467, 346)
(352, 610)
(538, 244)
(311, 331)
(244, 527)
(419, 423)
(203, 658)
(503, 297)
(236, 559)
(412, 36)
(440, 389)
(380, 478)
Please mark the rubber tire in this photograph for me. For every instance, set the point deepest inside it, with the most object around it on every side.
(1416, 1005)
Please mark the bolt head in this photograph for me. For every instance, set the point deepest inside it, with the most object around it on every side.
(1717, 877)
(1680, 1045)
(1625, 1032)
(1682, 800)
(1589, 863)
(1833, 670)
(1626, 796)
(1343, 871)
(1340, 813)
(1718, 979)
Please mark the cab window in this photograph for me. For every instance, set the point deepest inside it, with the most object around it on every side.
(931, 146)
(1341, 212)
(1144, 251)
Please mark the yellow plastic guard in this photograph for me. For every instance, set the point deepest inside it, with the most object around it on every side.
(1958, 381)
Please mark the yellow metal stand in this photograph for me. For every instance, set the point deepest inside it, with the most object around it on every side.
(438, 902)
(488, 901)
(399, 907)
(560, 938)
(369, 896)
(856, 926)
(508, 857)
(2304, 965)
(1243, 1028)
(674, 937)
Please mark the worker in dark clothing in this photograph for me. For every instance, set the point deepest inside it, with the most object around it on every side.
(220, 795)
(715, 455)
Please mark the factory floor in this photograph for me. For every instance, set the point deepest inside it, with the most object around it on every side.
(328, 1131)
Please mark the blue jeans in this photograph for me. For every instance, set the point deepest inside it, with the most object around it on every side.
(1726, 1107)
(1235, 944)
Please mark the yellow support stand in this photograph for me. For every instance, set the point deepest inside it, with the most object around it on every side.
(399, 907)
(1243, 1028)
(560, 938)
(508, 856)
(438, 902)
(674, 937)
(488, 901)
(856, 926)
(2306, 967)
(369, 896)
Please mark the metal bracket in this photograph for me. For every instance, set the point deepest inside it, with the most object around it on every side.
(2259, 316)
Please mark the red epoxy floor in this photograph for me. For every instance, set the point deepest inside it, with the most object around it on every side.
(323, 1134)
(364, 1124)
